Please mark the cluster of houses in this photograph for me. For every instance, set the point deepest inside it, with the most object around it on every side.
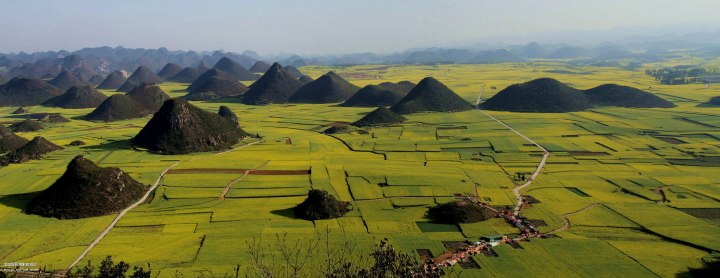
(483, 246)
(486, 243)
(526, 229)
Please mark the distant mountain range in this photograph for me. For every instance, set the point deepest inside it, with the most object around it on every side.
(104, 60)
(101, 61)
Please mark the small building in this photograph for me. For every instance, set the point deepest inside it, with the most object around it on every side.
(492, 238)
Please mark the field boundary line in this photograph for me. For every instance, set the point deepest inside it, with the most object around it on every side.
(136, 204)
(247, 172)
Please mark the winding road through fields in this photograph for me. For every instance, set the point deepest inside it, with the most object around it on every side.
(546, 154)
(516, 190)
(139, 202)
(566, 221)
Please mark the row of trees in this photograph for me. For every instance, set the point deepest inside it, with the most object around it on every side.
(682, 75)
(106, 269)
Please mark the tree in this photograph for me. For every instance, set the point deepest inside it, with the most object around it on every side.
(108, 269)
(340, 260)
(459, 212)
(388, 262)
(139, 272)
(86, 271)
(321, 205)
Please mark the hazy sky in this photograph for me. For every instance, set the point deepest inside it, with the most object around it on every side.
(325, 26)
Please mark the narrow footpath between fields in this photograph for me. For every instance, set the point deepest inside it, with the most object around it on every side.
(566, 221)
(247, 172)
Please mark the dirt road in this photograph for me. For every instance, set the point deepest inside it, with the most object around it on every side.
(119, 216)
(516, 190)
(546, 154)
(134, 205)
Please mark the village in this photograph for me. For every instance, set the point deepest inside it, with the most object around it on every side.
(462, 253)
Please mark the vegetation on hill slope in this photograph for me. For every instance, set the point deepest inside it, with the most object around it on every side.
(430, 95)
(33, 150)
(87, 190)
(329, 88)
(10, 141)
(113, 81)
(27, 126)
(237, 71)
(77, 97)
(550, 95)
(457, 212)
(179, 127)
(275, 86)
(321, 205)
(143, 100)
(216, 87)
(169, 70)
(383, 94)
(379, 117)
(26, 92)
(66, 80)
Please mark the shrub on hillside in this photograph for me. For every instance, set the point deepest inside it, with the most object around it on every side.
(460, 212)
(321, 205)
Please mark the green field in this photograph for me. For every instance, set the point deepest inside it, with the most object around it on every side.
(187, 228)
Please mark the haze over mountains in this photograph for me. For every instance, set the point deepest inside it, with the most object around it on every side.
(94, 63)
(359, 138)
(142, 100)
